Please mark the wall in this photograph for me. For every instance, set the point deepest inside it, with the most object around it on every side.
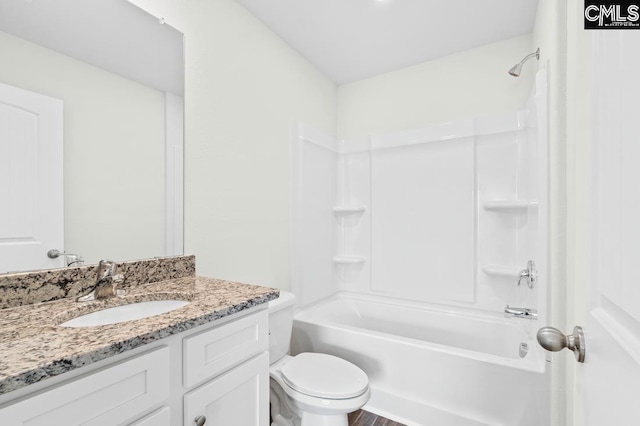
(550, 35)
(244, 90)
(113, 151)
(579, 137)
(459, 86)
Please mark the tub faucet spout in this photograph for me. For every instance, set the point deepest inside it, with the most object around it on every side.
(526, 313)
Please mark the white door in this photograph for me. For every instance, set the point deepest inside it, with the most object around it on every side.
(31, 181)
(238, 397)
(611, 373)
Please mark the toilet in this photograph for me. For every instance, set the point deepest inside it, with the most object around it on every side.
(309, 389)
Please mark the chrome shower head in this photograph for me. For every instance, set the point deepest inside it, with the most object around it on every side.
(515, 70)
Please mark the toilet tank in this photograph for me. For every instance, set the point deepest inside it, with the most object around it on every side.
(280, 325)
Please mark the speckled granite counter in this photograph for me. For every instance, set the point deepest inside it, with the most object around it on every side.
(33, 346)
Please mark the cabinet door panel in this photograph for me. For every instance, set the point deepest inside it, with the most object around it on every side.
(103, 398)
(162, 417)
(211, 352)
(238, 397)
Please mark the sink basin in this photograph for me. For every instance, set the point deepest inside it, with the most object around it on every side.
(124, 313)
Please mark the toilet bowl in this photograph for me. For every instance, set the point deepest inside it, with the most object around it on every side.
(309, 389)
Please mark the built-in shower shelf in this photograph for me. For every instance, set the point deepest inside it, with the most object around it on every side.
(505, 205)
(349, 209)
(501, 270)
(348, 260)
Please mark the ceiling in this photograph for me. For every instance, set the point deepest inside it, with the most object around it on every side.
(349, 40)
(110, 34)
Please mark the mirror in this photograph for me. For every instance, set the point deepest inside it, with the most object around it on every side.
(119, 73)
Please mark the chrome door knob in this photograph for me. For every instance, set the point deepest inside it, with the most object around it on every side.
(554, 340)
(200, 420)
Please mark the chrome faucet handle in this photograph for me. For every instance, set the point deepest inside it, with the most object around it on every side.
(531, 274)
(106, 268)
(107, 282)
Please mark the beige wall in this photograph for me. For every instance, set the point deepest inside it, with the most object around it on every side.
(113, 151)
(459, 86)
(245, 88)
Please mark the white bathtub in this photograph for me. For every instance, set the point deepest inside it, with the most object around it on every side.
(433, 367)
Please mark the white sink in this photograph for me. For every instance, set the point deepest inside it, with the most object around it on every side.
(124, 313)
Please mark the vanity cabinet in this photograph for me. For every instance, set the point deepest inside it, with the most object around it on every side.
(219, 370)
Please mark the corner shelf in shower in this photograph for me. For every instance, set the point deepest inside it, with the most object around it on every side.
(509, 205)
(502, 270)
(344, 210)
(348, 260)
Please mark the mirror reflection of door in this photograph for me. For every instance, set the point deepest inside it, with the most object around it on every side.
(31, 180)
(122, 85)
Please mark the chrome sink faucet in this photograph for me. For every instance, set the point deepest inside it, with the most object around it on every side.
(525, 313)
(106, 283)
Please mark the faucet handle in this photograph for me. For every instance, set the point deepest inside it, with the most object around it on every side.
(531, 274)
(106, 268)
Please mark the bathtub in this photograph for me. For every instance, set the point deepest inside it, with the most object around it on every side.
(433, 366)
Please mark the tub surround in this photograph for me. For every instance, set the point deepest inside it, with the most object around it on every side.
(27, 288)
(34, 347)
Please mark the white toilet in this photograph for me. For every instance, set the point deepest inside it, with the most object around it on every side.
(309, 389)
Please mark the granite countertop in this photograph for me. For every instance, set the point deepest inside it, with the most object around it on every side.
(34, 347)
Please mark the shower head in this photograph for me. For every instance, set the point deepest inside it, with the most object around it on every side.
(515, 70)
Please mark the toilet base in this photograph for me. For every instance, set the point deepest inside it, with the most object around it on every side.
(285, 412)
(311, 419)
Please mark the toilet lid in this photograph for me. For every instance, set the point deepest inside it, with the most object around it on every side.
(324, 376)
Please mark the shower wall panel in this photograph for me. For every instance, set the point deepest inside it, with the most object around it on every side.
(315, 162)
(422, 232)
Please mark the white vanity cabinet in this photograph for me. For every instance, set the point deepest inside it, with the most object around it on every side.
(219, 371)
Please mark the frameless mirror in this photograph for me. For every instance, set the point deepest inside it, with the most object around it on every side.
(119, 74)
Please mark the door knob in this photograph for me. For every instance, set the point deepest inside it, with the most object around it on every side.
(554, 340)
(200, 420)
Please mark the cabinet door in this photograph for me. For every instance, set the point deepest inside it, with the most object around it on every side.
(108, 397)
(238, 397)
(211, 352)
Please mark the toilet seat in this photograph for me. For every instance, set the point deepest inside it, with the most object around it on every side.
(324, 376)
(313, 404)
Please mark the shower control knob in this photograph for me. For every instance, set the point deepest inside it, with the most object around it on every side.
(554, 340)
(200, 420)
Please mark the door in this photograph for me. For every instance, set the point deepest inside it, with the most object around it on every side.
(611, 372)
(31, 181)
(238, 397)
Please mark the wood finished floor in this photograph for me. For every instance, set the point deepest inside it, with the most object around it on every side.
(364, 418)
